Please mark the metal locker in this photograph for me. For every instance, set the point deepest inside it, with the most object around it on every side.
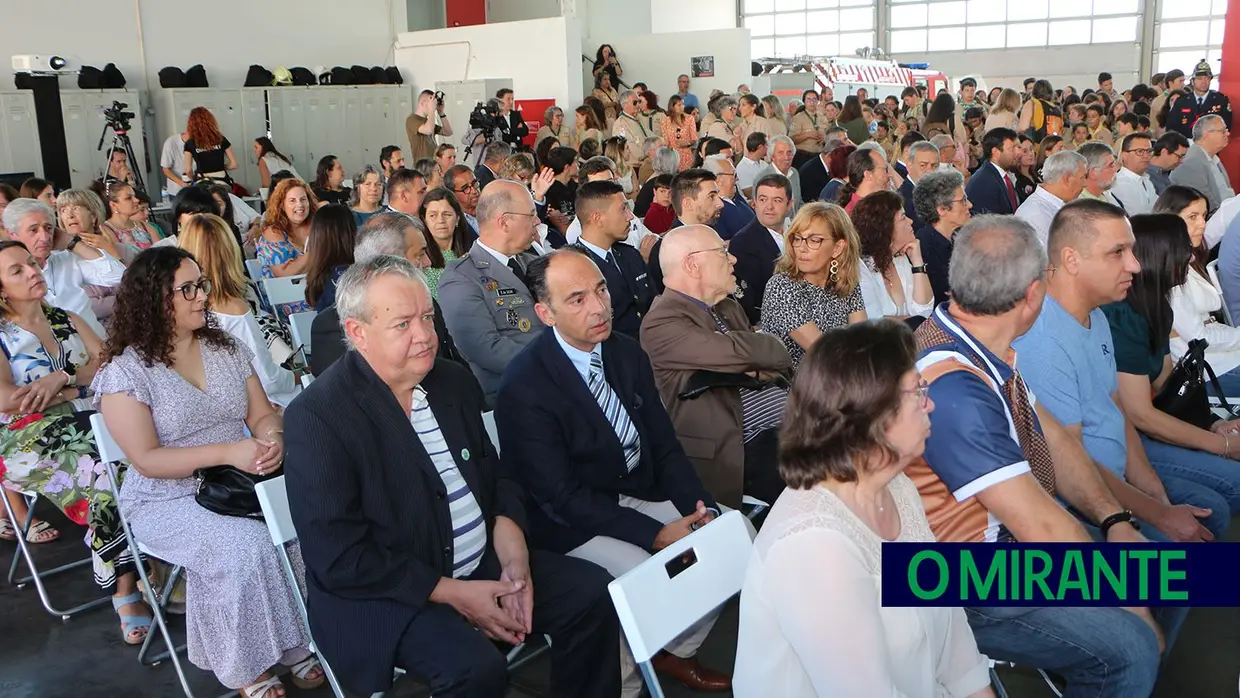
(317, 123)
(351, 135)
(254, 125)
(402, 107)
(19, 134)
(374, 126)
(288, 127)
(79, 143)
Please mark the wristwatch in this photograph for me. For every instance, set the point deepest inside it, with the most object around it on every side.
(1124, 516)
(920, 269)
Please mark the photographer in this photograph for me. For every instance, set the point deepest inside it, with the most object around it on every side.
(422, 129)
(484, 127)
(511, 124)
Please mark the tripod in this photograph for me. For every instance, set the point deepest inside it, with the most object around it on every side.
(120, 143)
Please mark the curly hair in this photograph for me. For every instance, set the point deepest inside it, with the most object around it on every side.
(846, 396)
(143, 315)
(874, 217)
(203, 129)
(275, 217)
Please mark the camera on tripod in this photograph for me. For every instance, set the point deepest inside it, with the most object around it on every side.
(117, 117)
(485, 117)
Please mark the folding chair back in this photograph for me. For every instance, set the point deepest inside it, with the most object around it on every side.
(306, 380)
(109, 451)
(285, 289)
(255, 268)
(299, 328)
(488, 421)
(679, 585)
(273, 499)
(1212, 270)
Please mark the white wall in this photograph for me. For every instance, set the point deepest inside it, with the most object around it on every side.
(221, 36)
(1062, 65)
(520, 10)
(692, 15)
(656, 59)
(536, 54)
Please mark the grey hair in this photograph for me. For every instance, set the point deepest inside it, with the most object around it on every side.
(665, 161)
(650, 142)
(495, 201)
(875, 146)
(721, 104)
(714, 163)
(626, 96)
(920, 147)
(994, 260)
(358, 177)
(781, 139)
(83, 198)
(496, 151)
(354, 283)
(1199, 128)
(1065, 163)
(941, 141)
(935, 190)
(383, 234)
(17, 211)
(1095, 154)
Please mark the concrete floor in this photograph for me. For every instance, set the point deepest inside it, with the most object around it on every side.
(43, 657)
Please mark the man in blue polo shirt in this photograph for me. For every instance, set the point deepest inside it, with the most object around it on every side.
(1068, 358)
(996, 462)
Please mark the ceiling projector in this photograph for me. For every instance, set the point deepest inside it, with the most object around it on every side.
(33, 63)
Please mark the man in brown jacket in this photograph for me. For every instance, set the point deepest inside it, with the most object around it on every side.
(697, 336)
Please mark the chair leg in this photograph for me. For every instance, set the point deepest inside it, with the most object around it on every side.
(652, 679)
(1050, 684)
(997, 684)
(23, 552)
(162, 602)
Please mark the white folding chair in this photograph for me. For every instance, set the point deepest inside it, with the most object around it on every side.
(756, 506)
(110, 453)
(273, 498)
(1212, 270)
(38, 576)
(282, 290)
(255, 269)
(306, 380)
(299, 327)
(678, 586)
(488, 421)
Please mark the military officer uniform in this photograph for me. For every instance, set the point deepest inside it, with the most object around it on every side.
(627, 282)
(489, 311)
(1187, 110)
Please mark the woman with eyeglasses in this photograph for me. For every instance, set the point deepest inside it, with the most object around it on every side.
(179, 394)
(816, 285)
(857, 416)
(50, 356)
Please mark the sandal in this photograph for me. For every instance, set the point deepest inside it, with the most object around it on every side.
(270, 688)
(134, 629)
(40, 532)
(302, 669)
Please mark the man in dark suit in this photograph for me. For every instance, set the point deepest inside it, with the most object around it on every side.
(581, 425)
(814, 176)
(758, 246)
(604, 215)
(493, 157)
(511, 124)
(992, 188)
(413, 537)
(387, 233)
(486, 303)
(923, 158)
(729, 432)
(735, 213)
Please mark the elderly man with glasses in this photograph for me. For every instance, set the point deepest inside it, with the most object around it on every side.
(464, 185)
(1201, 168)
(629, 127)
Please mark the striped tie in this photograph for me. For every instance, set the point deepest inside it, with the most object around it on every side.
(615, 412)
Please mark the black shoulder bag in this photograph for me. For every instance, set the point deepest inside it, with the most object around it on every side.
(229, 492)
(1184, 395)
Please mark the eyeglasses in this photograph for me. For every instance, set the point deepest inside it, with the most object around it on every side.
(813, 242)
(922, 391)
(963, 200)
(190, 290)
(1141, 151)
(520, 213)
(467, 187)
(723, 249)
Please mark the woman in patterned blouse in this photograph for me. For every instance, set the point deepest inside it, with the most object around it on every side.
(815, 287)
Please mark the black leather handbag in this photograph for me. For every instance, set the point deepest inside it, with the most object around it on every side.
(229, 492)
(1184, 395)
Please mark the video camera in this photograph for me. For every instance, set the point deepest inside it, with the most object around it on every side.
(117, 117)
(485, 117)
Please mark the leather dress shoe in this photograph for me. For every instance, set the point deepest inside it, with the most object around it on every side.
(691, 673)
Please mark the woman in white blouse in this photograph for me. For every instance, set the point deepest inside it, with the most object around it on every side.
(1195, 301)
(894, 282)
(812, 623)
(209, 239)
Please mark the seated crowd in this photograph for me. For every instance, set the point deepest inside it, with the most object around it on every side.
(594, 346)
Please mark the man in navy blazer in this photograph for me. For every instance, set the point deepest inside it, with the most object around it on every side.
(581, 425)
(758, 246)
(412, 535)
(992, 188)
(736, 213)
(603, 212)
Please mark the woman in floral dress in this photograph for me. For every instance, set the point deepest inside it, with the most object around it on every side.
(49, 356)
(285, 233)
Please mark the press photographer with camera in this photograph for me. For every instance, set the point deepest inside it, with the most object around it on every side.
(511, 124)
(484, 128)
(421, 127)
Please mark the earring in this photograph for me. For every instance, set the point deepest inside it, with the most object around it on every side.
(835, 267)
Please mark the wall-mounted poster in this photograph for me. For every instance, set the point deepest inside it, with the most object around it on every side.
(703, 66)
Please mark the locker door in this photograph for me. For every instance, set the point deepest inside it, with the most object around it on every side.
(79, 142)
(253, 125)
(293, 119)
(316, 124)
(373, 128)
(229, 116)
(351, 134)
(20, 150)
(401, 108)
(330, 129)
